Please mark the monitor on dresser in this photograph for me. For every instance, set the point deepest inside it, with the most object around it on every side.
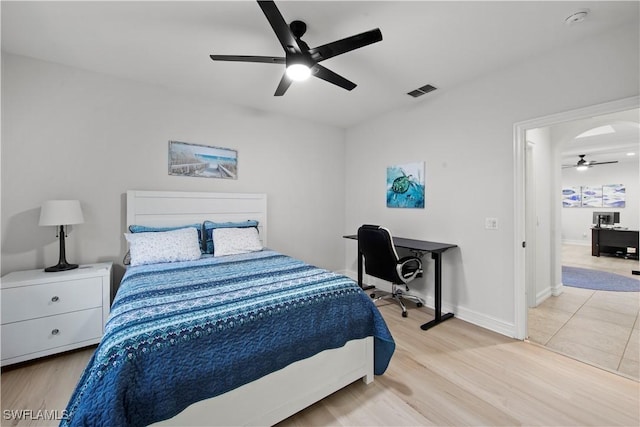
(606, 218)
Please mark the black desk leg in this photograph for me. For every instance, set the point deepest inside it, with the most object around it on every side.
(437, 257)
(365, 288)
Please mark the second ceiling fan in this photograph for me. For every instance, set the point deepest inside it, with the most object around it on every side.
(583, 164)
(300, 60)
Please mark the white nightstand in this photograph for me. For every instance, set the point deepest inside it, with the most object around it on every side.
(47, 313)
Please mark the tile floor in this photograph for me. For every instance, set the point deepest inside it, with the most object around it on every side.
(598, 327)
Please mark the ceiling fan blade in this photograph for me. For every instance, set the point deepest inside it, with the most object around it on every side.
(249, 58)
(331, 77)
(594, 163)
(280, 27)
(285, 82)
(330, 50)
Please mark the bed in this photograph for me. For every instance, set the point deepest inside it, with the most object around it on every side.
(244, 339)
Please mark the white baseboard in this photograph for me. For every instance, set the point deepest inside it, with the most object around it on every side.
(543, 295)
(557, 290)
(551, 291)
(576, 242)
(486, 322)
(471, 316)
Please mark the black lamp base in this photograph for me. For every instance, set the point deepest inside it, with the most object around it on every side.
(60, 267)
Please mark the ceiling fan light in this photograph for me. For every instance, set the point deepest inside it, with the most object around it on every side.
(582, 168)
(298, 72)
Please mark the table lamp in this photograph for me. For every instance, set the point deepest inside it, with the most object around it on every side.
(61, 213)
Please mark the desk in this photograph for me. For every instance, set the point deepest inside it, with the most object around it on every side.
(420, 246)
(614, 241)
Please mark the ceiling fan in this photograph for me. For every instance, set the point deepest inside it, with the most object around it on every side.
(300, 60)
(583, 164)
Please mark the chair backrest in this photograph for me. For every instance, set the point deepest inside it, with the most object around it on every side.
(380, 256)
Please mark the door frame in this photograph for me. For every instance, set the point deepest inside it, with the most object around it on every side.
(521, 263)
(530, 232)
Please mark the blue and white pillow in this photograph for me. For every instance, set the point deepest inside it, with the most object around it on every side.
(209, 226)
(164, 246)
(147, 229)
(233, 241)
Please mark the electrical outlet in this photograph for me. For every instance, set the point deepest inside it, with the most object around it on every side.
(491, 223)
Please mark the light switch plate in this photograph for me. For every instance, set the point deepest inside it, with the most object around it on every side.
(491, 223)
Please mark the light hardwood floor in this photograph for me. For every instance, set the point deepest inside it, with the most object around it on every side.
(597, 327)
(454, 374)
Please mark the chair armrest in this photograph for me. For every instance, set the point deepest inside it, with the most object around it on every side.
(408, 268)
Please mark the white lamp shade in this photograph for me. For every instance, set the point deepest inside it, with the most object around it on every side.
(61, 212)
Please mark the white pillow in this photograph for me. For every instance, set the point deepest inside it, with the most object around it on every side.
(164, 246)
(232, 241)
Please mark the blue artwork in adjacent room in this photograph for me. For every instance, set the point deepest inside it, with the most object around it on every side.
(591, 196)
(571, 197)
(613, 195)
(608, 195)
(406, 186)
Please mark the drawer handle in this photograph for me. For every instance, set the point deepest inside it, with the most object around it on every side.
(55, 332)
(55, 299)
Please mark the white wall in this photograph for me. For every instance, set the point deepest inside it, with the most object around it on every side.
(577, 222)
(68, 133)
(465, 136)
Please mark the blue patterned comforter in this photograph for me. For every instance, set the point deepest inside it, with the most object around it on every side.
(182, 332)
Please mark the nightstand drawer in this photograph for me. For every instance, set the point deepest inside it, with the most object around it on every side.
(30, 302)
(31, 336)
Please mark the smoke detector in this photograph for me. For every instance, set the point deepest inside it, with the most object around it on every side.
(577, 17)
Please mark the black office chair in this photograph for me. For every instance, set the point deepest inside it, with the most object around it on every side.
(381, 260)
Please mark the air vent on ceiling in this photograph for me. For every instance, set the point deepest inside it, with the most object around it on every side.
(422, 90)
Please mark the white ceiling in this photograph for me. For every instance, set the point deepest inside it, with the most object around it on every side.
(601, 148)
(168, 44)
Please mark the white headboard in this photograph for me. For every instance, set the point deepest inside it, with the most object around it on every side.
(167, 208)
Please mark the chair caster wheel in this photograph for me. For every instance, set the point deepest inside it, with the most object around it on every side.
(419, 304)
(404, 314)
(372, 295)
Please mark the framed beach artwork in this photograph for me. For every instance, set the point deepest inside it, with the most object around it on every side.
(186, 159)
(406, 186)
